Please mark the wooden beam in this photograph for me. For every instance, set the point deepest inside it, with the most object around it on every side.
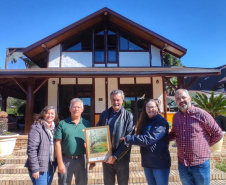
(29, 105)
(161, 54)
(191, 82)
(180, 82)
(44, 81)
(168, 81)
(164, 99)
(7, 56)
(22, 88)
(4, 95)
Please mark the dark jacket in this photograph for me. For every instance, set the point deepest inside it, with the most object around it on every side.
(123, 126)
(154, 143)
(38, 149)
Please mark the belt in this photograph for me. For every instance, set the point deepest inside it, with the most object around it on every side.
(73, 156)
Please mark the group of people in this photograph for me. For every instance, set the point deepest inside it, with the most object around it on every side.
(52, 143)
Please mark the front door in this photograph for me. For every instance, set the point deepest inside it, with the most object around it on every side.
(68, 92)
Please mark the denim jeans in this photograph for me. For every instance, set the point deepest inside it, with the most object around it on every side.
(195, 175)
(157, 176)
(45, 178)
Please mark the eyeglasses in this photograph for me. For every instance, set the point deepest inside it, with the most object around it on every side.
(76, 108)
(149, 108)
(181, 98)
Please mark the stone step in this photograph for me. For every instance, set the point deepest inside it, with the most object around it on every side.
(217, 156)
(22, 159)
(135, 150)
(134, 166)
(212, 182)
(16, 160)
(97, 178)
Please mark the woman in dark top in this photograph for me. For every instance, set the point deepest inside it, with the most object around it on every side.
(151, 134)
(41, 161)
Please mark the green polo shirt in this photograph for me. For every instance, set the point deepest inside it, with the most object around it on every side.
(72, 136)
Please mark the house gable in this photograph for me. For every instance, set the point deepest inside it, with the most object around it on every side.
(104, 16)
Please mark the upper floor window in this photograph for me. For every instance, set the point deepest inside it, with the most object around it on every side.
(105, 42)
(105, 46)
(79, 43)
(128, 44)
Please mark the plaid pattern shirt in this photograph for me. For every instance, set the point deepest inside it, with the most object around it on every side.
(195, 131)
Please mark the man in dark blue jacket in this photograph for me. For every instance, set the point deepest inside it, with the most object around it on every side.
(121, 123)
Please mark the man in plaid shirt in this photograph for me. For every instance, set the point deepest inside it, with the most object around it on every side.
(195, 131)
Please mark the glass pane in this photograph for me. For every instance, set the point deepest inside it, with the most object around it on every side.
(99, 65)
(112, 42)
(133, 46)
(82, 42)
(111, 56)
(77, 47)
(100, 33)
(112, 65)
(87, 108)
(99, 42)
(124, 44)
(111, 32)
(99, 56)
(129, 104)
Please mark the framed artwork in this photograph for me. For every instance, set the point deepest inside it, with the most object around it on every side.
(98, 143)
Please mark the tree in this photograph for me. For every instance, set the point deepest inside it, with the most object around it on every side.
(214, 105)
(170, 60)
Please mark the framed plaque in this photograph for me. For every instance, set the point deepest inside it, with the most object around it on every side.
(98, 143)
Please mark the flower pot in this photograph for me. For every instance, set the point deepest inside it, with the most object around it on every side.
(217, 146)
(7, 144)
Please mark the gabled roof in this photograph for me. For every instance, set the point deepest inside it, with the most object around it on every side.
(208, 82)
(105, 14)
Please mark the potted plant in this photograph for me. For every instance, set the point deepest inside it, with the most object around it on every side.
(215, 106)
(7, 140)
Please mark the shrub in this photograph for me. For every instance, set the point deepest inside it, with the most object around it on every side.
(221, 166)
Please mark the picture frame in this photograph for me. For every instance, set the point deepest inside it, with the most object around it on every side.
(98, 143)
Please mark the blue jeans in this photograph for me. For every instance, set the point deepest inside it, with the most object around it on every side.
(195, 175)
(157, 176)
(45, 178)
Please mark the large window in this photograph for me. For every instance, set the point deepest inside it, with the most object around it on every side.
(105, 42)
(82, 42)
(105, 46)
(68, 92)
(128, 45)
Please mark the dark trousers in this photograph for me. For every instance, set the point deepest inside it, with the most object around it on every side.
(120, 169)
(76, 167)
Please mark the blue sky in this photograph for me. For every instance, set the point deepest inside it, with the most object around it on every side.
(197, 25)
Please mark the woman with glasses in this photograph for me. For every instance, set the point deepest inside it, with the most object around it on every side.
(151, 134)
(41, 161)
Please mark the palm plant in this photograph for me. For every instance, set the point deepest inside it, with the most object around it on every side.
(215, 105)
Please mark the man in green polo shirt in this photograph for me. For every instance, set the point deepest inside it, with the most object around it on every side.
(70, 148)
